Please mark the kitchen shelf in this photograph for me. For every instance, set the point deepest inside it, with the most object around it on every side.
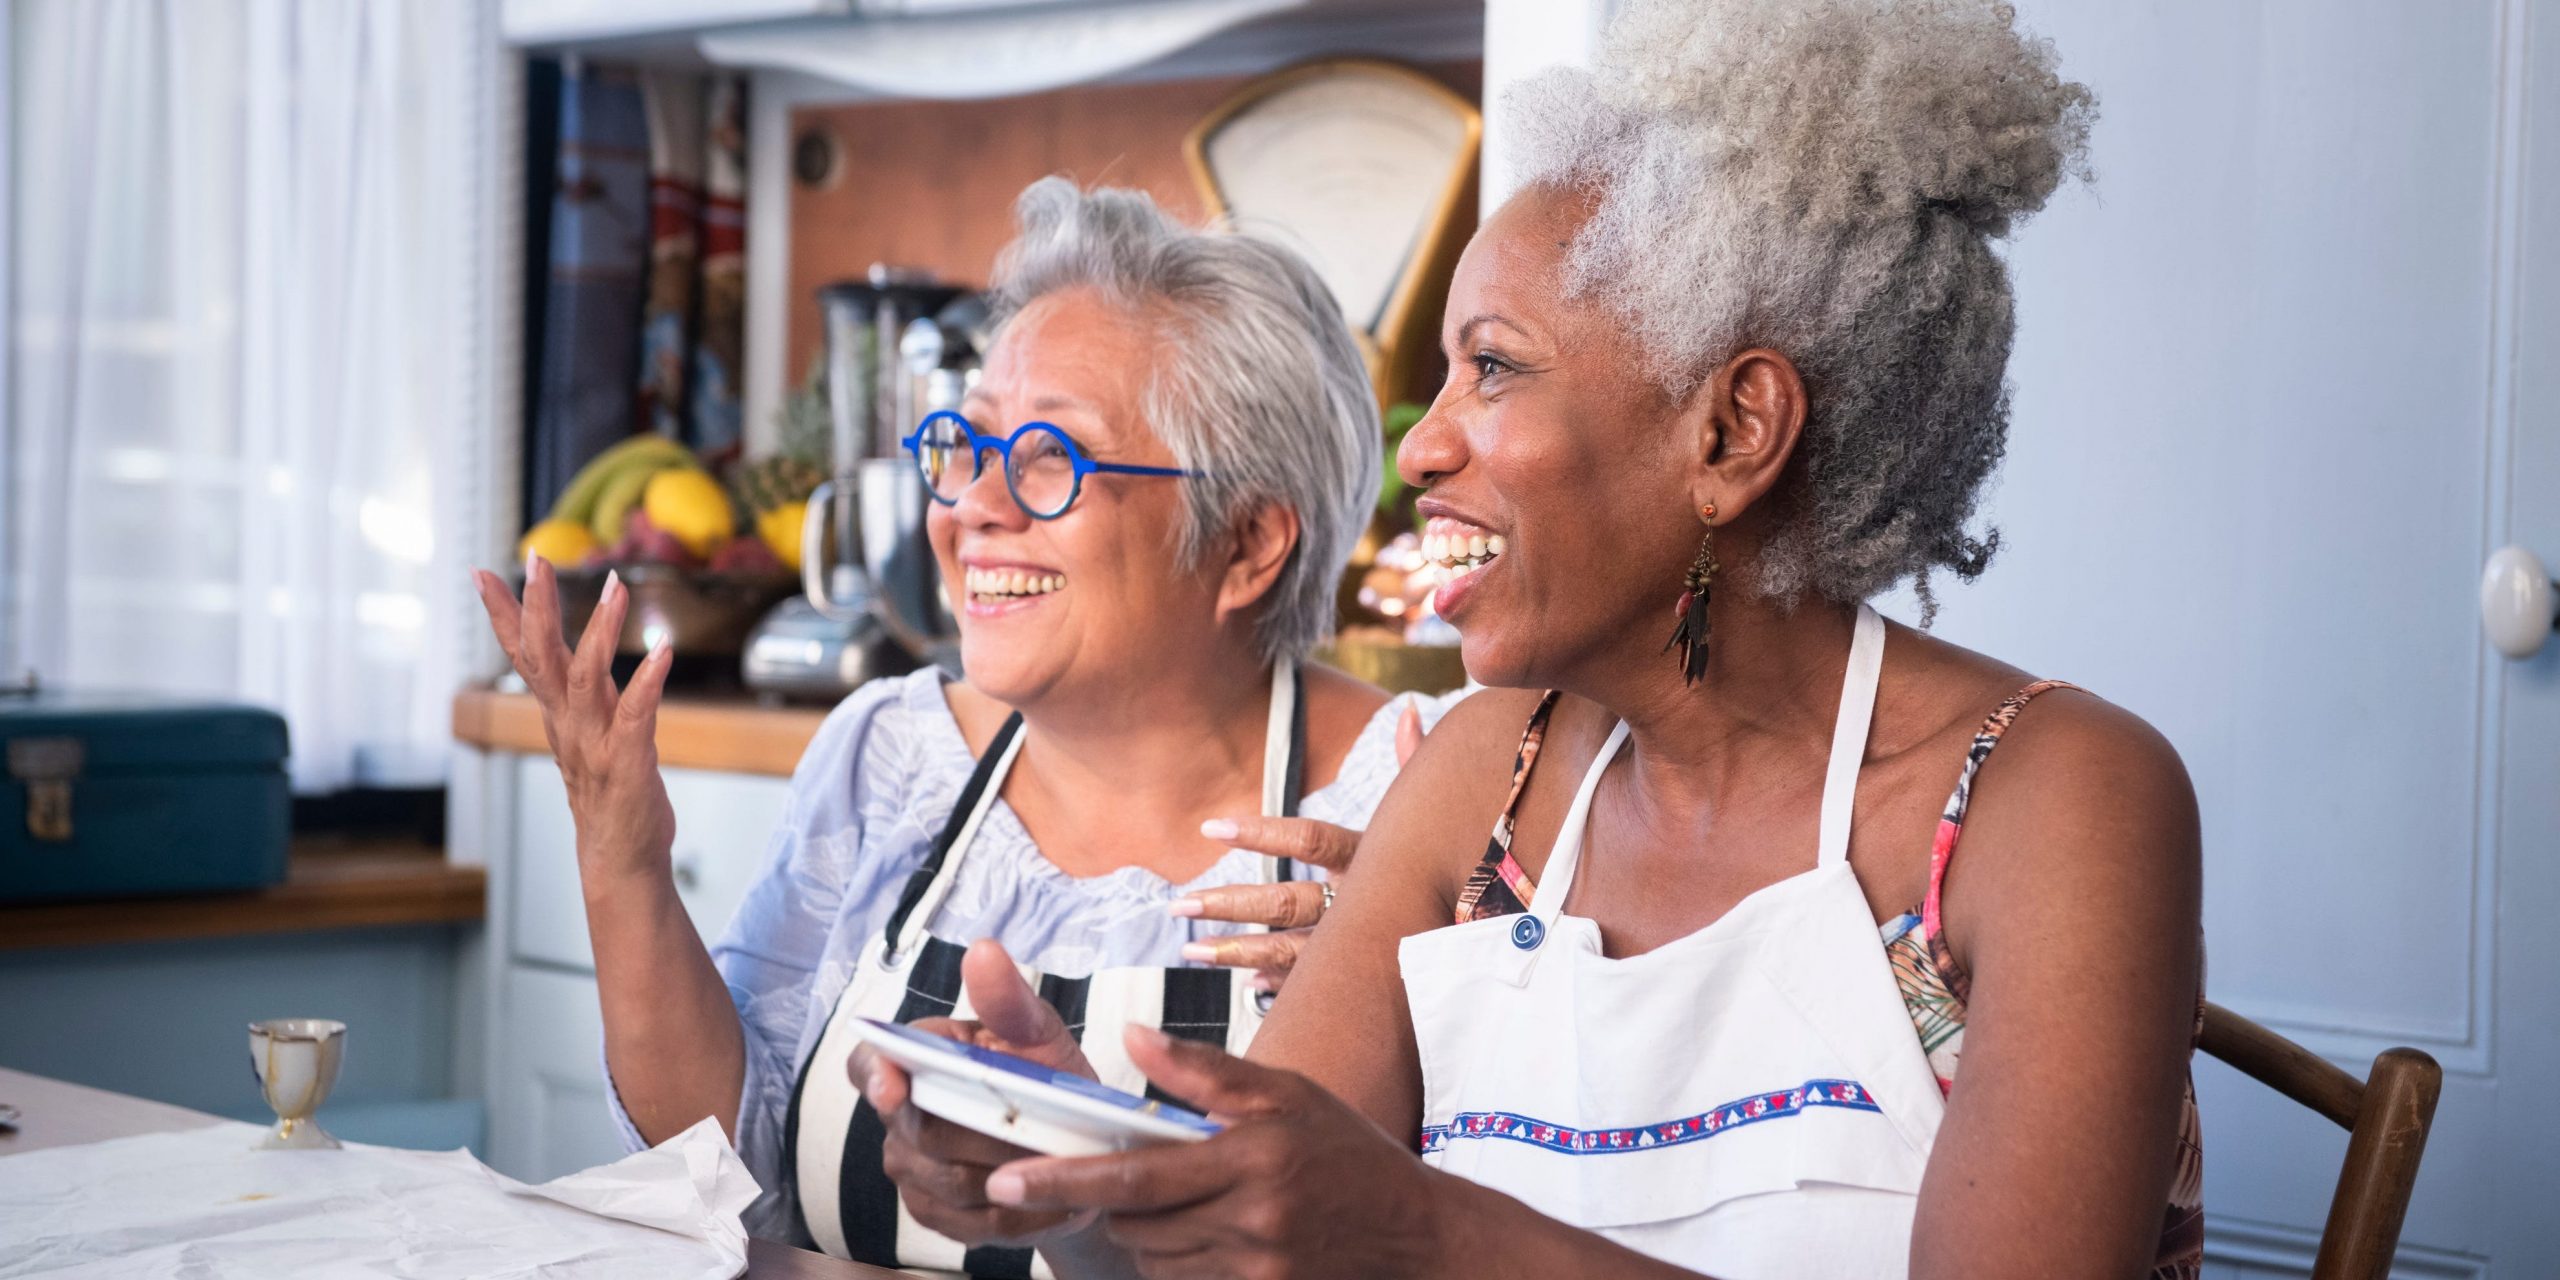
(732, 735)
(330, 883)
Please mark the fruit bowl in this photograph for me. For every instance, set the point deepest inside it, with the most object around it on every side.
(703, 612)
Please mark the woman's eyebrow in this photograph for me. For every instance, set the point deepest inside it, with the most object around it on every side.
(1053, 402)
(1467, 329)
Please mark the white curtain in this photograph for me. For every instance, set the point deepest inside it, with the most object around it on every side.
(247, 354)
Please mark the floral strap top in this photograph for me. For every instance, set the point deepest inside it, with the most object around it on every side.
(1935, 987)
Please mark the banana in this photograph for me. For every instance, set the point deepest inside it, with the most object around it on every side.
(578, 501)
(622, 493)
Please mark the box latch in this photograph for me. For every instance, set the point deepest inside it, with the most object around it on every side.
(47, 767)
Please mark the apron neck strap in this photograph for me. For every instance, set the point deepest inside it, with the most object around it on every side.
(1284, 759)
(1555, 882)
(925, 889)
(1849, 736)
(1839, 786)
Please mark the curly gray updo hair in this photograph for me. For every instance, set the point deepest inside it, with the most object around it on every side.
(1260, 389)
(1825, 178)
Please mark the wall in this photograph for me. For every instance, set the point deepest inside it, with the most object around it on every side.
(931, 184)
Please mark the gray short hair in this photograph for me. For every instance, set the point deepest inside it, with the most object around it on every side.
(1262, 389)
(1826, 178)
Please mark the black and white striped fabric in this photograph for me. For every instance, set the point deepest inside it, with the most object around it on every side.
(832, 1138)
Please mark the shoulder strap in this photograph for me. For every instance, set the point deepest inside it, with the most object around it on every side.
(1498, 887)
(1951, 820)
(999, 753)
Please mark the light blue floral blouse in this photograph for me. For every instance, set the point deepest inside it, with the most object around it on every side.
(876, 786)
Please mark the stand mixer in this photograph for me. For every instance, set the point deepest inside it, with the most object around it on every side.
(871, 600)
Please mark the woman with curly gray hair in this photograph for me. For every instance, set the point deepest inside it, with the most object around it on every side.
(1736, 987)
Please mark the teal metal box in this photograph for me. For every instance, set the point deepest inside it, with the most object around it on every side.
(117, 795)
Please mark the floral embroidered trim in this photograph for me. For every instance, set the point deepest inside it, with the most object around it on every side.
(1846, 1094)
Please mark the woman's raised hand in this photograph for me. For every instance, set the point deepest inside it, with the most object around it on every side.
(604, 738)
(1292, 908)
(941, 1168)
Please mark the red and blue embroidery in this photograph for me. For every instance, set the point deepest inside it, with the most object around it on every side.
(1845, 1094)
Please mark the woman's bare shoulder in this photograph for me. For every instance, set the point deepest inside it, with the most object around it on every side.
(1433, 823)
(2082, 818)
(1340, 707)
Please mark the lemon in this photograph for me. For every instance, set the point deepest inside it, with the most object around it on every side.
(692, 507)
(780, 529)
(565, 543)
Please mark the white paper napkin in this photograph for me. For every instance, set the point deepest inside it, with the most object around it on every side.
(206, 1203)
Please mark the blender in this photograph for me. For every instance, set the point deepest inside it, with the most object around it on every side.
(871, 597)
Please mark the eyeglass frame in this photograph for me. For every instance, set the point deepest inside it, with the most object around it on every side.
(1082, 463)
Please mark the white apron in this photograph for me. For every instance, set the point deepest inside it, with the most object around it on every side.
(1749, 1101)
(832, 1137)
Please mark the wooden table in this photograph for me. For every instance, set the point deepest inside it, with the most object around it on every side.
(53, 1113)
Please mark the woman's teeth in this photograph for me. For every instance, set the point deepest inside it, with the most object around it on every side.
(1461, 551)
(1012, 582)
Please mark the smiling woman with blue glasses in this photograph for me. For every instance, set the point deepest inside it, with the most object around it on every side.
(1137, 794)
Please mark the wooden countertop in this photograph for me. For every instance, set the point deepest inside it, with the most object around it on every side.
(728, 735)
(331, 883)
(56, 1113)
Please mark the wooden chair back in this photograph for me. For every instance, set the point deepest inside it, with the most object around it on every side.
(2386, 1116)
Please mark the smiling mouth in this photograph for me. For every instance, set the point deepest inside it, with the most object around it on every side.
(1458, 547)
(992, 586)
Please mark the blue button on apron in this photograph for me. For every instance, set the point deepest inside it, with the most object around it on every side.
(1527, 933)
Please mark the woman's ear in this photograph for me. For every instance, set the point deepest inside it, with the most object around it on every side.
(1750, 418)
(1262, 542)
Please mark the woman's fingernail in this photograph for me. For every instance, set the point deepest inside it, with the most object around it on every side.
(1185, 907)
(1202, 952)
(531, 558)
(1218, 829)
(1004, 1186)
(612, 584)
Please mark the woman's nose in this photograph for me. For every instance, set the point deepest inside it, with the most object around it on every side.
(985, 503)
(1433, 448)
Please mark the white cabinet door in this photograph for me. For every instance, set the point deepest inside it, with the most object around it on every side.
(723, 821)
(547, 1113)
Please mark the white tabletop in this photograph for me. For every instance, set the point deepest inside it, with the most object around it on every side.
(52, 1113)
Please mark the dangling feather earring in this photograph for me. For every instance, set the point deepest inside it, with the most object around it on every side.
(1690, 635)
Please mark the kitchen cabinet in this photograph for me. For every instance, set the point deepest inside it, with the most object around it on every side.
(547, 1113)
(546, 1091)
(722, 820)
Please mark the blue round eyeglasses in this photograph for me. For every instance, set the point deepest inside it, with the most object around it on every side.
(1044, 467)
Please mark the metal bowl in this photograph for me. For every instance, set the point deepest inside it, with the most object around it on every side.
(702, 613)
